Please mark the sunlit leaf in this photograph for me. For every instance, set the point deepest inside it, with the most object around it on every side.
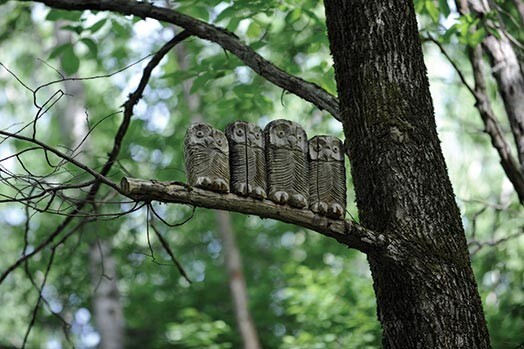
(97, 26)
(55, 15)
(91, 45)
(70, 61)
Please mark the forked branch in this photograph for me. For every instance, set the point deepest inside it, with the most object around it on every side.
(346, 232)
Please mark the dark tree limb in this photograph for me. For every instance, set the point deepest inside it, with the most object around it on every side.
(506, 70)
(227, 40)
(346, 232)
(491, 124)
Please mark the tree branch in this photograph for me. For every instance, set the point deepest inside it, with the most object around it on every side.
(492, 127)
(90, 196)
(306, 90)
(346, 232)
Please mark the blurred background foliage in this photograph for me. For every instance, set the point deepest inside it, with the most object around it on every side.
(305, 291)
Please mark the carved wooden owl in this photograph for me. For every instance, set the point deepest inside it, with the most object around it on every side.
(206, 154)
(327, 189)
(286, 163)
(247, 159)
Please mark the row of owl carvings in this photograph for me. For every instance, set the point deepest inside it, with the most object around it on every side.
(278, 163)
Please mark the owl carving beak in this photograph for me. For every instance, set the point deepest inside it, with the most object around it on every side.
(292, 140)
(208, 141)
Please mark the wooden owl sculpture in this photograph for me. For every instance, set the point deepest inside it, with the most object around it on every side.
(286, 163)
(327, 186)
(206, 155)
(247, 159)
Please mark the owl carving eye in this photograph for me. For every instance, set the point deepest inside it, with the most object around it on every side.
(335, 149)
(240, 132)
(219, 141)
(200, 134)
(280, 133)
(257, 135)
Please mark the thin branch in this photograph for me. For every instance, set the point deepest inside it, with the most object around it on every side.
(40, 296)
(128, 112)
(345, 232)
(227, 40)
(166, 247)
(99, 176)
(491, 124)
(478, 245)
(452, 62)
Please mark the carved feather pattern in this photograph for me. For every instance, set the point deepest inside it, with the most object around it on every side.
(247, 158)
(327, 175)
(280, 169)
(206, 156)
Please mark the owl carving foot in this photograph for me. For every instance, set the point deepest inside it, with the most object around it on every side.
(258, 193)
(219, 185)
(298, 201)
(320, 207)
(203, 182)
(280, 197)
(242, 188)
(335, 211)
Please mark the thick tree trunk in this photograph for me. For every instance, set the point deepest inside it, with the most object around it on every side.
(400, 177)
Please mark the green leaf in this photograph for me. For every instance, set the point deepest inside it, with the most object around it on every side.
(119, 29)
(57, 51)
(91, 45)
(258, 44)
(199, 82)
(450, 32)
(55, 15)
(477, 37)
(74, 28)
(233, 24)
(432, 11)
(493, 31)
(294, 15)
(254, 30)
(227, 13)
(70, 61)
(97, 26)
(444, 8)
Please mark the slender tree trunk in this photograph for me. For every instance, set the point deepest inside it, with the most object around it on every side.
(429, 297)
(107, 309)
(237, 283)
(108, 314)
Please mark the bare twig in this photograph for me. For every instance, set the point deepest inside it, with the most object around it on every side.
(40, 296)
(478, 245)
(491, 125)
(100, 177)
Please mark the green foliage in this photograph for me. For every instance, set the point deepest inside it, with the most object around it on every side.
(305, 291)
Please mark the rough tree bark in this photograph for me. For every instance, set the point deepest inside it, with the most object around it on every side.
(507, 72)
(401, 182)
